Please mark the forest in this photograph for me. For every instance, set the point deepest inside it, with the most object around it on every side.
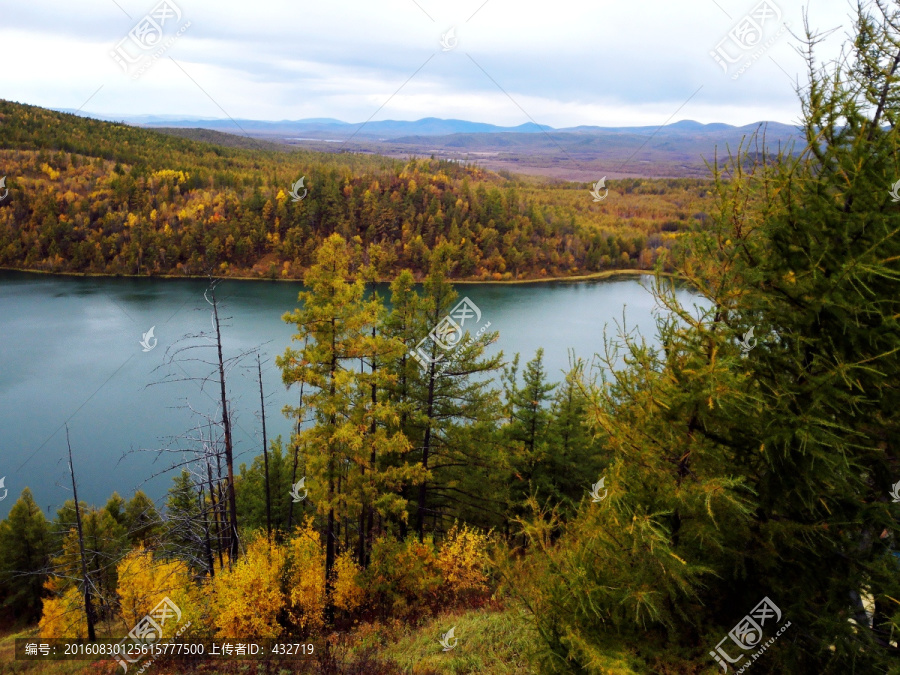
(101, 198)
(708, 505)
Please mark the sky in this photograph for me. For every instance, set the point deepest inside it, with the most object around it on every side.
(562, 63)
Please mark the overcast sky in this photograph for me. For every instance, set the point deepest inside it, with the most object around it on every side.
(562, 63)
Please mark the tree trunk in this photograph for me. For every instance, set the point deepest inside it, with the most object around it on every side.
(88, 603)
(229, 453)
(262, 403)
(426, 447)
(365, 532)
(215, 508)
(293, 482)
(294, 471)
(226, 529)
(330, 534)
(207, 546)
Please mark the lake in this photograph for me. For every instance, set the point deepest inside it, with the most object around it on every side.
(71, 354)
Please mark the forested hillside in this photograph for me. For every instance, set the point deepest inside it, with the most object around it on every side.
(724, 498)
(99, 197)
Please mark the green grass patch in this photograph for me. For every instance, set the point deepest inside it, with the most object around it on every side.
(488, 641)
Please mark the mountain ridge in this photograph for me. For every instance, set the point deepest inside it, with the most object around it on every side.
(426, 126)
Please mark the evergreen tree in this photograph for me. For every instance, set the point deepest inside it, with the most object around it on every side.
(335, 323)
(142, 520)
(575, 453)
(454, 409)
(527, 432)
(760, 471)
(26, 545)
(184, 534)
(251, 493)
(105, 541)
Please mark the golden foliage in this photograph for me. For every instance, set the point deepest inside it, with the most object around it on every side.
(63, 616)
(462, 560)
(52, 173)
(402, 575)
(348, 594)
(248, 598)
(144, 582)
(169, 174)
(306, 577)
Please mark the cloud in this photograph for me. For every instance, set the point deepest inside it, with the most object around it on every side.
(567, 63)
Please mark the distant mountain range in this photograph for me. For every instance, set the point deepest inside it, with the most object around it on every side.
(321, 127)
(570, 153)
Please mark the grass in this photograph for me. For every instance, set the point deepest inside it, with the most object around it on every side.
(8, 663)
(491, 641)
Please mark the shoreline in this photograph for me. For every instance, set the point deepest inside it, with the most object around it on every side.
(593, 276)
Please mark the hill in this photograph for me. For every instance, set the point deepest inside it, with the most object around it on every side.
(681, 149)
(89, 196)
(583, 153)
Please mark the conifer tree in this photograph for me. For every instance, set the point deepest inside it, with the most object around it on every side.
(526, 433)
(335, 323)
(141, 519)
(184, 536)
(26, 545)
(454, 409)
(753, 457)
(575, 452)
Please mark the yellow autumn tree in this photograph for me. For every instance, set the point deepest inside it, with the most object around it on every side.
(63, 616)
(348, 594)
(144, 582)
(247, 599)
(306, 577)
(463, 559)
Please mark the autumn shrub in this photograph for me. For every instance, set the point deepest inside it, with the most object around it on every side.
(463, 561)
(305, 577)
(403, 576)
(248, 598)
(348, 593)
(63, 616)
(144, 582)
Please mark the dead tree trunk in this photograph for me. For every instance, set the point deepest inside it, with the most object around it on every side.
(262, 403)
(226, 528)
(88, 601)
(226, 426)
(215, 508)
(204, 511)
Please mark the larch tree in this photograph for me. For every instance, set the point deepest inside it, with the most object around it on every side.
(448, 385)
(751, 457)
(335, 322)
(26, 545)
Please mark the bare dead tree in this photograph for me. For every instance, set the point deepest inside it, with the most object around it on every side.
(226, 424)
(262, 404)
(296, 449)
(226, 529)
(88, 604)
(206, 543)
(215, 508)
(187, 362)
